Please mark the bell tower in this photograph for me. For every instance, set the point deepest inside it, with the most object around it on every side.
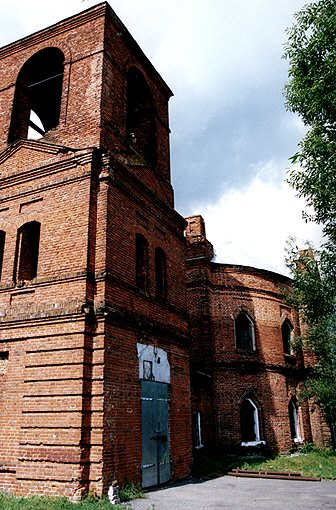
(92, 302)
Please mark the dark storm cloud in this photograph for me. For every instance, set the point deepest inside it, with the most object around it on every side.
(226, 150)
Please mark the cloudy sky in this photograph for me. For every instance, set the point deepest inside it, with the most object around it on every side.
(231, 135)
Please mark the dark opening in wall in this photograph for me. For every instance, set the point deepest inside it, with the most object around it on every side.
(27, 250)
(160, 274)
(287, 333)
(3, 362)
(2, 249)
(249, 421)
(37, 97)
(244, 332)
(140, 122)
(141, 262)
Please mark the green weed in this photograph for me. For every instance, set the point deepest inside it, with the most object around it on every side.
(130, 491)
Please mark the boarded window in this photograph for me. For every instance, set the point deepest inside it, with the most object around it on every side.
(244, 332)
(27, 251)
(37, 98)
(287, 334)
(141, 262)
(160, 274)
(140, 123)
(2, 249)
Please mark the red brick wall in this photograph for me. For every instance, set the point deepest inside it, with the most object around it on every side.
(44, 392)
(81, 40)
(69, 391)
(134, 317)
(122, 53)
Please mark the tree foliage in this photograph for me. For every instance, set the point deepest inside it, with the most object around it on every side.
(311, 93)
(313, 295)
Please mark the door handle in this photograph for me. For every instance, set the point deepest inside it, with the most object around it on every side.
(161, 436)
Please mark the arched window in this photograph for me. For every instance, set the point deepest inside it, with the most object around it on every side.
(249, 422)
(140, 122)
(160, 274)
(293, 412)
(141, 262)
(2, 248)
(37, 98)
(244, 332)
(27, 251)
(287, 336)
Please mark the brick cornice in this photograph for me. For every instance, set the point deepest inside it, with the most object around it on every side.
(76, 158)
(253, 367)
(58, 28)
(35, 145)
(100, 10)
(142, 324)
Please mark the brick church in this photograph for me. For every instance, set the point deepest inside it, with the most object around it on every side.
(123, 347)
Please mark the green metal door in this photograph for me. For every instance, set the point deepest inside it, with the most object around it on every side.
(155, 433)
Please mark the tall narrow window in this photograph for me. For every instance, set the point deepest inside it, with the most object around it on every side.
(293, 412)
(249, 422)
(37, 98)
(160, 274)
(244, 332)
(197, 431)
(140, 122)
(27, 251)
(2, 249)
(141, 262)
(287, 336)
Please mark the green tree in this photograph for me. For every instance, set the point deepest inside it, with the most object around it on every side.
(311, 93)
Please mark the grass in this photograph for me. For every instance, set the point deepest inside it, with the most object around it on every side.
(45, 503)
(127, 493)
(317, 462)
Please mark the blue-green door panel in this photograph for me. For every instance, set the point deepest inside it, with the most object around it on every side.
(155, 433)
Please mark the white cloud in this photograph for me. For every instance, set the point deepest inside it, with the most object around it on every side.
(250, 226)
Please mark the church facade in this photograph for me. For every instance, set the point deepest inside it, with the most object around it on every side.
(96, 290)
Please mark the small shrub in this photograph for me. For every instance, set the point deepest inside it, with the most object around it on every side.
(130, 491)
(309, 447)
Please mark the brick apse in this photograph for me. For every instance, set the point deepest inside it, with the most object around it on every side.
(94, 332)
(245, 371)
